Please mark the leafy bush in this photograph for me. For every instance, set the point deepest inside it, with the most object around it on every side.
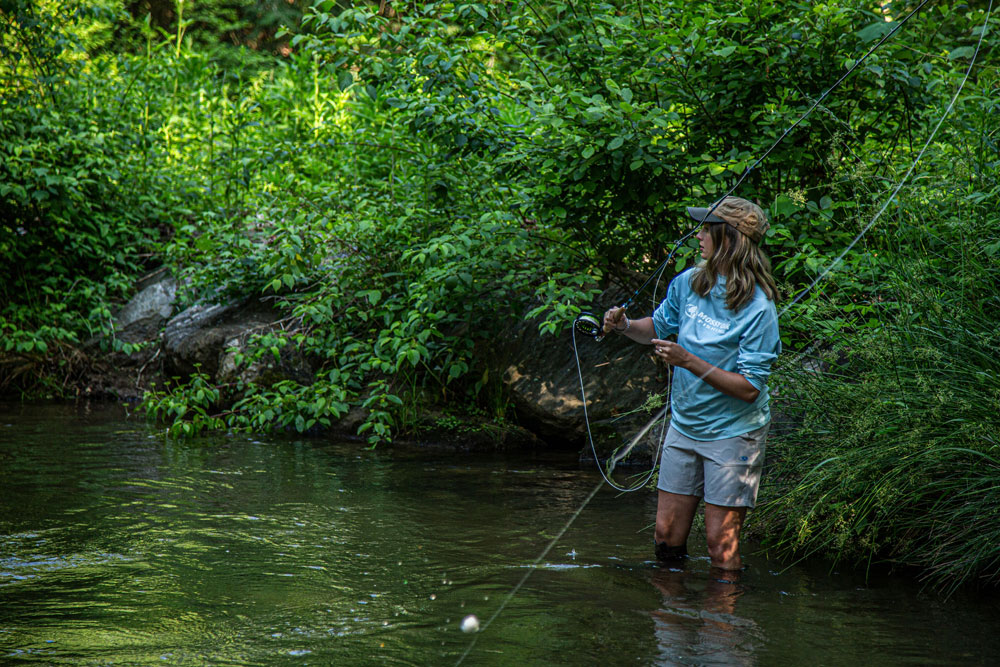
(80, 202)
(398, 274)
(212, 23)
(610, 112)
(891, 454)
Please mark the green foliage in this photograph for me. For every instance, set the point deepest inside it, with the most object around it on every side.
(397, 287)
(221, 27)
(893, 454)
(613, 114)
(396, 271)
(189, 413)
(196, 405)
(79, 200)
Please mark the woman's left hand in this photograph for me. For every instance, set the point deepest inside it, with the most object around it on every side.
(671, 352)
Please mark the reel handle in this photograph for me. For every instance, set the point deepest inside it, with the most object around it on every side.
(588, 324)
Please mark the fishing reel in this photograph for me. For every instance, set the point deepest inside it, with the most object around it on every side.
(587, 324)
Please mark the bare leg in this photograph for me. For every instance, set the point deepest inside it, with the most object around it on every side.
(674, 515)
(722, 531)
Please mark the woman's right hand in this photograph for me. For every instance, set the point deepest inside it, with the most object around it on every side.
(614, 318)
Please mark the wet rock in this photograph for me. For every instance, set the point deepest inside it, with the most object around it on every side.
(619, 376)
(143, 317)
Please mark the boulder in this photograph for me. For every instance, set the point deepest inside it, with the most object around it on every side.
(143, 317)
(197, 338)
(291, 364)
(619, 377)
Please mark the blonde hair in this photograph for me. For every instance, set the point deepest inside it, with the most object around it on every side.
(741, 261)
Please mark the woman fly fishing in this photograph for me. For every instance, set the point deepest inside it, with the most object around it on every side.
(723, 315)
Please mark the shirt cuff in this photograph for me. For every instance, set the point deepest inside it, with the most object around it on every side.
(758, 382)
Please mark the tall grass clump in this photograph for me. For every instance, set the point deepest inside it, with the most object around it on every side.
(891, 453)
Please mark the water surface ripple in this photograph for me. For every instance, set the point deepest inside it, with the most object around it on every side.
(118, 546)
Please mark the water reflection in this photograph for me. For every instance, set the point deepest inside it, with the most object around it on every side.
(117, 546)
(698, 622)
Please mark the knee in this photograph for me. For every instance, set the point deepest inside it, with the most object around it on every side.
(723, 546)
(671, 526)
(662, 529)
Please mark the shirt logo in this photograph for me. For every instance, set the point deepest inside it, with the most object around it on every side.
(710, 323)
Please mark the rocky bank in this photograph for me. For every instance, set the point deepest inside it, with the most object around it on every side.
(540, 371)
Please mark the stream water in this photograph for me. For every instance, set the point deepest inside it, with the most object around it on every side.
(118, 546)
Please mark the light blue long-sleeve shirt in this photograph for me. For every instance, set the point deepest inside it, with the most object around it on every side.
(745, 342)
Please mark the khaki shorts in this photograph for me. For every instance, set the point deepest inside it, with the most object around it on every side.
(723, 472)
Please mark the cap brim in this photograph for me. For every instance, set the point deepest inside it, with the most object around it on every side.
(701, 214)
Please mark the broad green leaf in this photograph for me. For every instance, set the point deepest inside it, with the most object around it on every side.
(874, 31)
(961, 52)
